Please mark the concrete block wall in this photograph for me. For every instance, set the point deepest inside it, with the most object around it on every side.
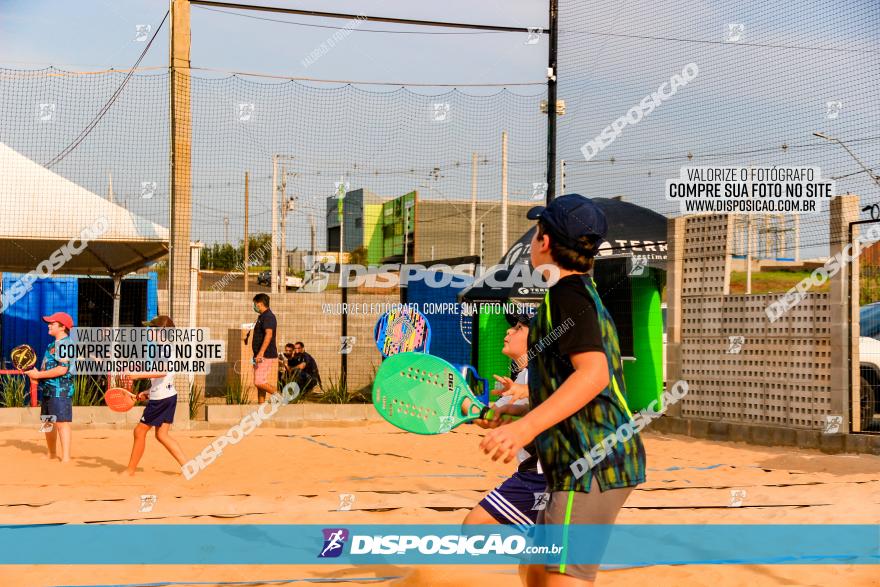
(445, 226)
(303, 317)
(790, 373)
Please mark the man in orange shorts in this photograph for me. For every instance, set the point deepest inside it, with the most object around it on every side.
(265, 350)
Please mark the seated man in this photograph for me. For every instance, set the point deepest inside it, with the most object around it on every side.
(285, 365)
(305, 368)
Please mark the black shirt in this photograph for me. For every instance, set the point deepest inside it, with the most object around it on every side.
(311, 368)
(573, 314)
(265, 321)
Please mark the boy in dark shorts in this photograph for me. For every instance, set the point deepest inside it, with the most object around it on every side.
(56, 386)
(519, 499)
(159, 413)
(576, 389)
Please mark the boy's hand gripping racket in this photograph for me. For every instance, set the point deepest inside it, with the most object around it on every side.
(424, 394)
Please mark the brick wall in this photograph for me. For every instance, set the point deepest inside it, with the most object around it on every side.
(790, 373)
(301, 316)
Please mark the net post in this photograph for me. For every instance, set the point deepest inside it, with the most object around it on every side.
(551, 101)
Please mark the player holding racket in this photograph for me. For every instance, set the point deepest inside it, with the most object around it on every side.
(516, 500)
(576, 389)
(159, 413)
(56, 385)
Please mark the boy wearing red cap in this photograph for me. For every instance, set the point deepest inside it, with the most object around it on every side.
(56, 385)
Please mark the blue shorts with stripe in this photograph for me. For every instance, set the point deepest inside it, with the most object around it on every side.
(518, 500)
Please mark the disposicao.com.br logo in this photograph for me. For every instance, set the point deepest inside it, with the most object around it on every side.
(334, 542)
(450, 544)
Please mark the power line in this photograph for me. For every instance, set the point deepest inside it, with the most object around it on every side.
(417, 22)
(679, 156)
(91, 126)
(372, 83)
(726, 43)
(360, 30)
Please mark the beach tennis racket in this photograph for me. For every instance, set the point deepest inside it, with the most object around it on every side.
(23, 357)
(402, 330)
(120, 380)
(119, 399)
(423, 394)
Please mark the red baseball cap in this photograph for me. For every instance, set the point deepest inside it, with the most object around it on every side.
(61, 318)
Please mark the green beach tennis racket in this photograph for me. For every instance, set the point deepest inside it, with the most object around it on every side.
(423, 394)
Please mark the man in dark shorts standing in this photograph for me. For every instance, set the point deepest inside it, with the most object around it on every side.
(264, 348)
(305, 368)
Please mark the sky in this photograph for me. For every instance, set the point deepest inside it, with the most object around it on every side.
(756, 100)
(99, 34)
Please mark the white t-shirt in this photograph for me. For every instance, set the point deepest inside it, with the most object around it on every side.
(162, 387)
(523, 378)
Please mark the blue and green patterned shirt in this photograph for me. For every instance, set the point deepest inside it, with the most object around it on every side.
(583, 324)
(57, 386)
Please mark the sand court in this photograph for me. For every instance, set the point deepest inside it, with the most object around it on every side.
(375, 474)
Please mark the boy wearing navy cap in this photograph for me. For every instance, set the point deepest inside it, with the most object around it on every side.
(576, 389)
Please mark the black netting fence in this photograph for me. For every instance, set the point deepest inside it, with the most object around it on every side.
(291, 180)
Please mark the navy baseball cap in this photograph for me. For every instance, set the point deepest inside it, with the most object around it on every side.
(517, 313)
(570, 217)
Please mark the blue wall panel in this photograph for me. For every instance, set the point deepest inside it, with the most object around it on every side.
(152, 295)
(23, 322)
(447, 341)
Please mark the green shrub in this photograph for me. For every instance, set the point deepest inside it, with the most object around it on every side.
(15, 390)
(335, 392)
(196, 401)
(235, 394)
(87, 391)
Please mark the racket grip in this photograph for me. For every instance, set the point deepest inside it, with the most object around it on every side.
(489, 414)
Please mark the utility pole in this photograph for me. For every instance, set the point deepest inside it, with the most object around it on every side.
(226, 229)
(482, 242)
(561, 177)
(180, 109)
(247, 258)
(551, 101)
(312, 230)
(504, 192)
(283, 280)
(273, 269)
(473, 202)
(748, 253)
(287, 206)
(405, 234)
(341, 231)
(275, 275)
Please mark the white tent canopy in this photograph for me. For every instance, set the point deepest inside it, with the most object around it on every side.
(42, 211)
